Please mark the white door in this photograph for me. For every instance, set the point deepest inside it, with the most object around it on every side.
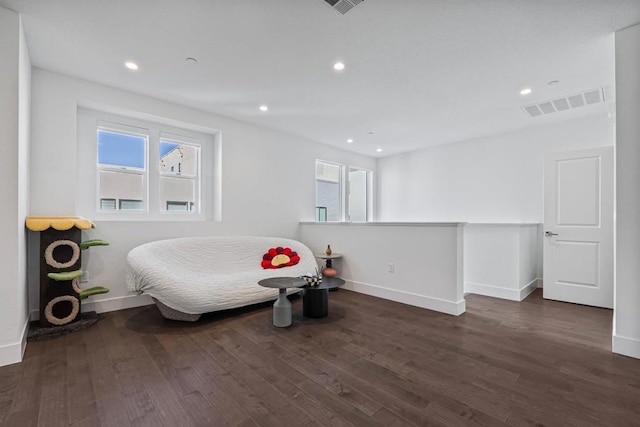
(578, 227)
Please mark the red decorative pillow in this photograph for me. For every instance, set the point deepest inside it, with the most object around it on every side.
(279, 257)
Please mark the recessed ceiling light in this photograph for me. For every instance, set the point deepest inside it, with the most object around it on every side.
(379, 150)
(191, 60)
(349, 141)
(553, 82)
(131, 65)
(526, 91)
(338, 66)
(264, 108)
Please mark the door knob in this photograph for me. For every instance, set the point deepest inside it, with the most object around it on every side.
(549, 234)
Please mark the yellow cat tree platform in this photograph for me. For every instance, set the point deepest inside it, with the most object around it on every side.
(60, 223)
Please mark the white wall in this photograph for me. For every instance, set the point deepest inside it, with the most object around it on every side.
(24, 153)
(427, 260)
(14, 140)
(268, 177)
(626, 334)
(496, 179)
(501, 260)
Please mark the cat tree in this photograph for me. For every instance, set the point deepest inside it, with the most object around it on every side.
(60, 271)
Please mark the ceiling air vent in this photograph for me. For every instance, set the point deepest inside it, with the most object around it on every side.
(343, 6)
(570, 102)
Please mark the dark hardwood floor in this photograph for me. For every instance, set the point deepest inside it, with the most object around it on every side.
(371, 362)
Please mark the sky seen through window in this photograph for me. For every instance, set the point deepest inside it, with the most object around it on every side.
(125, 150)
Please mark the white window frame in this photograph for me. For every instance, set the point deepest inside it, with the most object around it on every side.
(144, 171)
(183, 140)
(341, 186)
(344, 190)
(369, 193)
(208, 186)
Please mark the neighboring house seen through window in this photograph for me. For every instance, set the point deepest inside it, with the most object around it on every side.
(179, 172)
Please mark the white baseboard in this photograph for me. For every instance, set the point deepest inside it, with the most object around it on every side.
(501, 292)
(109, 304)
(118, 303)
(528, 288)
(540, 283)
(12, 353)
(626, 346)
(422, 301)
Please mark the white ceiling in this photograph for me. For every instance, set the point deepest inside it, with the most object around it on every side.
(418, 72)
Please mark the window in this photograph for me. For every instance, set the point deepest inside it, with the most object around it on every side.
(331, 203)
(131, 205)
(328, 191)
(178, 206)
(179, 171)
(321, 214)
(107, 204)
(134, 169)
(121, 169)
(359, 195)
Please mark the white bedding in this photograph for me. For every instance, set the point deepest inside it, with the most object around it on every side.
(198, 275)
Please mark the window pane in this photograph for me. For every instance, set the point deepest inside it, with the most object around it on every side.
(108, 204)
(358, 195)
(328, 191)
(177, 191)
(131, 205)
(178, 159)
(121, 149)
(178, 206)
(321, 214)
(120, 186)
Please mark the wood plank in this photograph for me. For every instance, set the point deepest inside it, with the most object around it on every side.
(54, 404)
(285, 378)
(370, 362)
(27, 386)
(82, 405)
(103, 345)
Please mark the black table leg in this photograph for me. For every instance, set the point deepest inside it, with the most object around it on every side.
(315, 303)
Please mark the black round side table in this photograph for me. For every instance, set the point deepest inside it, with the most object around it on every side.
(315, 299)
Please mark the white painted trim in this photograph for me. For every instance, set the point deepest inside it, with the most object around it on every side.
(626, 346)
(118, 303)
(460, 265)
(23, 338)
(436, 304)
(109, 304)
(391, 224)
(13, 353)
(501, 292)
(539, 283)
(492, 291)
(528, 288)
(504, 224)
(10, 354)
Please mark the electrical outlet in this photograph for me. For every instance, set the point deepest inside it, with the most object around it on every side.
(391, 267)
(84, 278)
